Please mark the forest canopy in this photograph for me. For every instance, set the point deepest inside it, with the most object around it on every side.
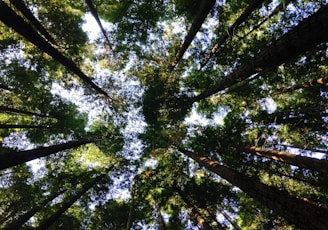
(166, 114)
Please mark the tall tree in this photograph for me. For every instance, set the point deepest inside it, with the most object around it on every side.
(306, 35)
(204, 9)
(290, 207)
(12, 158)
(67, 204)
(11, 19)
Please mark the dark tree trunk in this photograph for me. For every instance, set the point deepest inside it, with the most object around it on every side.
(20, 5)
(160, 219)
(276, 10)
(12, 20)
(205, 7)
(13, 110)
(95, 15)
(204, 225)
(12, 158)
(292, 159)
(228, 218)
(250, 8)
(49, 221)
(318, 82)
(308, 34)
(298, 211)
(5, 87)
(22, 219)
(13, 126)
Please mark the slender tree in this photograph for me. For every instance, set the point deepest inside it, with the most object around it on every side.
(94, 13)
(13, 110)
(45, 224)
(12, 158)
(23, 126)
(20, 220)
(204, 9)
(317, 82)
(230, 31)
(289, 158)
(20, 5)
(12, 20)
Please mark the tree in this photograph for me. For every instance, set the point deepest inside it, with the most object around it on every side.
(256, 112)
(277, 200)
(13, 158)
(10, 18)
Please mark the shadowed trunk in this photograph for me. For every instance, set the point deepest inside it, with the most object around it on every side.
(205, 7)
(317, 82)
(12, 158)
(95, 15)
(62, 209)
(13, 110)
(299, 211)
(204, 225)
(22, 219)
(230, 31)
(282, 5)
(305, 36)
(228, 218)
(12, 20)
(13, 126)
(19, 4)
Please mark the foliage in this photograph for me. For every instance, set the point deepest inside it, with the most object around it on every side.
(132, 176)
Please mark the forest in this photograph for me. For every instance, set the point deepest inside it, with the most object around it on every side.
(164, 114)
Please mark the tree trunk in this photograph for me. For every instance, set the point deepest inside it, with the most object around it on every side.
(205, 7)
(19, 4)
(289, 158)
(12, 158)
(276, 10)
(317, 82)
(11, 19)
(95, 15)
(230, 31)
(12, 126)
(160, 219)
(204, 225)
(305, 36)
(13, 110)
(22, 219)
(5, 87)
(49, 221)
(298, 211)
(228, 218)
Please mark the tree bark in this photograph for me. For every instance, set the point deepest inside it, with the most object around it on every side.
(228, 218)
(160, 219)
(12, 158)
(317, 82)
(305, 36)
(230, 31)
(298, 211)
(205, 7)
(19, 4)
(289, 158)
(12, 20)
(13, 110)
(204, 225)
(276, 10)
(95, 15)
(13, 126)
(55, 216)
(22, 219)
